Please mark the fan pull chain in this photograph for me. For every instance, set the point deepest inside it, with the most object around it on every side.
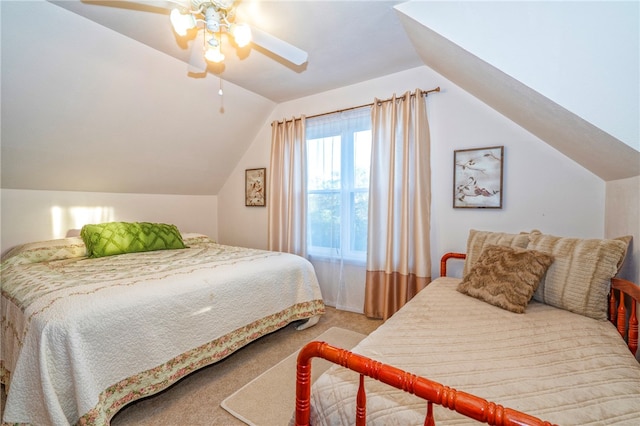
(221, 94)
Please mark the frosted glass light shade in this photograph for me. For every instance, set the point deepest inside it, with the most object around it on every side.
(182, 23)
(241, 34)
(213, 54)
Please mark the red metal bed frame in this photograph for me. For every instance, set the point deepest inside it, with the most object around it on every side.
(464, 403)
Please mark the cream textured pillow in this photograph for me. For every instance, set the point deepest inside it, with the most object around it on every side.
(479, 239)
(506, 277)
(580, 277)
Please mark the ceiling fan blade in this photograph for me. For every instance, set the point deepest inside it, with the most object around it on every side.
(197, 63)
(280, 47)
(132, 4)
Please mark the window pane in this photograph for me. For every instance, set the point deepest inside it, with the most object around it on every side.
(323, 163)
(361, 158)
(324, 220)
(359, 216)
(338, 158)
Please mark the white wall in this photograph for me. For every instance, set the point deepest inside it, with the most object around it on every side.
(29, 215)
(543, 189)
(622, 217)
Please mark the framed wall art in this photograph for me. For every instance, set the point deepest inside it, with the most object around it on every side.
(477, 178)
(255, 190)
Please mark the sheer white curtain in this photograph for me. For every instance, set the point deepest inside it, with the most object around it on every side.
(398, 255)
(338, 160)
(287, 189)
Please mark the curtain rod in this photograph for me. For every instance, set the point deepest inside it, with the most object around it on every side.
(424, 93)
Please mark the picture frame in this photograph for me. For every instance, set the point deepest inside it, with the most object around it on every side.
(477, 177)
(255, 187)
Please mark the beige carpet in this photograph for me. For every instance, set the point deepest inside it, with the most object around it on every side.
(270, 398)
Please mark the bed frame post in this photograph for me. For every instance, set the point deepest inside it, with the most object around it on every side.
(447, 256)
(633, 330)
(361, 404)
(303, 388)
(429, 420)
(618, 316)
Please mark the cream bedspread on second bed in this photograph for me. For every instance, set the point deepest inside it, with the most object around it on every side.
(82, 337)
(556, 365)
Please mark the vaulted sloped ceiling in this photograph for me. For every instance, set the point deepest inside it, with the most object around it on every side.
(598, 151)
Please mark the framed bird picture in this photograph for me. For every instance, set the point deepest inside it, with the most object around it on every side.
(255, 191)
(477, 178)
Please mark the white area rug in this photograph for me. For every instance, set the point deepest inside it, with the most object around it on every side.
(270, 399)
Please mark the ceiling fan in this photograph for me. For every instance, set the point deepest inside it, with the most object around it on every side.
(210, 19)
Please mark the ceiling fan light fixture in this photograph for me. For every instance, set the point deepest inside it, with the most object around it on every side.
(215, 18)
(213, 54)
(241, 34)
(182, 22)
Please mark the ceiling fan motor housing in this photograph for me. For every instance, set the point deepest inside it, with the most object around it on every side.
(213, 18)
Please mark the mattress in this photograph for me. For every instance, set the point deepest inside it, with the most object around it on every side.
(83, 337)
(548, 362)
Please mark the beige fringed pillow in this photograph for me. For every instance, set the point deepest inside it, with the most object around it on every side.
(580, 276)
(505, 276)
(478, 240)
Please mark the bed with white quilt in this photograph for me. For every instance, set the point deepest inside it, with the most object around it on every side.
(525, 328)
(82, 336)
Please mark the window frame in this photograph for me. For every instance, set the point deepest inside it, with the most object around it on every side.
(347, 190)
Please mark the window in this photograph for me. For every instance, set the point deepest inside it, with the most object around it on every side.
(338, 161)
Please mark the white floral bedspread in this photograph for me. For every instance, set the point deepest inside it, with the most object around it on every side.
(82, 337)
(550, 363)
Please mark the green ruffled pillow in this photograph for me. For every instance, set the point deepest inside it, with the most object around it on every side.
(109, 239)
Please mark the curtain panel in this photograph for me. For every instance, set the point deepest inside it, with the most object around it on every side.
(287, 206)
(398, 250)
